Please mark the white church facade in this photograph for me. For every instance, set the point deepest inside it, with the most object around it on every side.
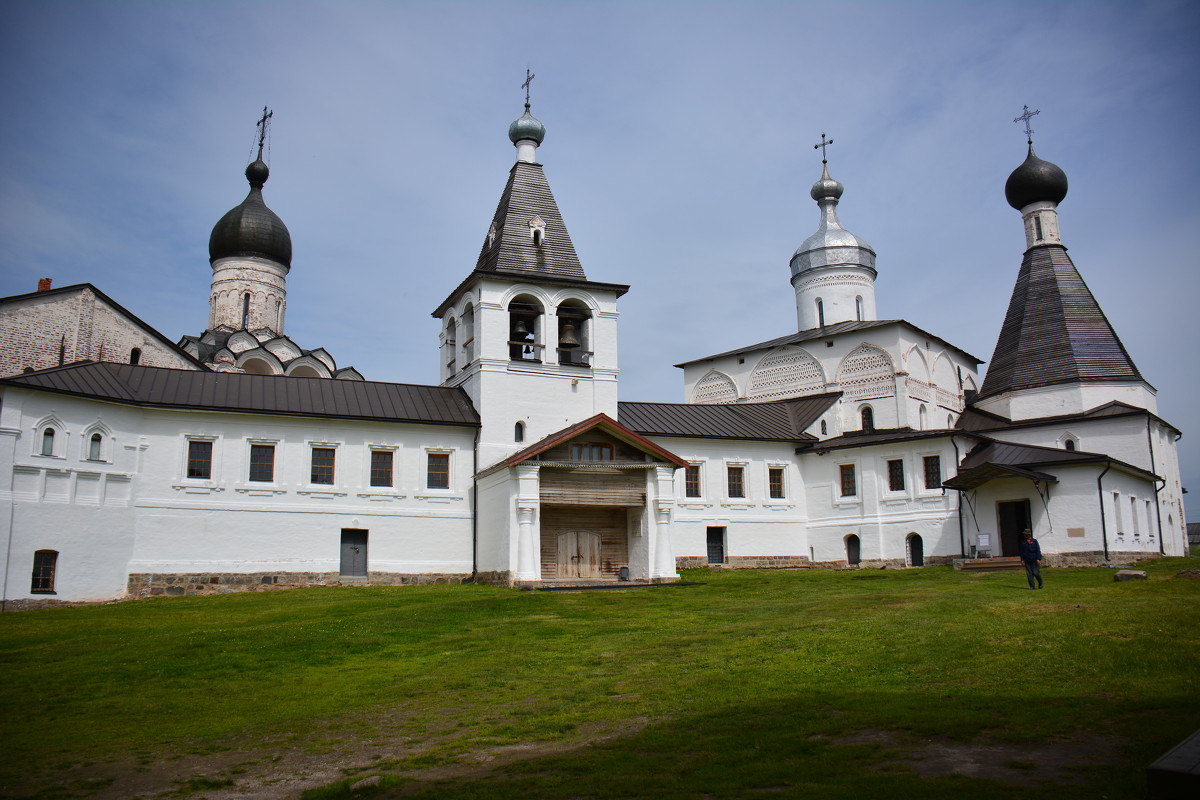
(236, 460)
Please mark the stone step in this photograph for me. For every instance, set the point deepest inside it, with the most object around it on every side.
(999, 564)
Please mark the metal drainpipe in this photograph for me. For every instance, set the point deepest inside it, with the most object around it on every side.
(1162, 548)
(1100, 492)
(962, 534)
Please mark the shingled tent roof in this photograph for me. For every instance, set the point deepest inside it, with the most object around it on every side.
(255, 394)
(1054, 331)
(527, 195)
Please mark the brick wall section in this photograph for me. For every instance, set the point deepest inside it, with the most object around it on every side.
(36, 329)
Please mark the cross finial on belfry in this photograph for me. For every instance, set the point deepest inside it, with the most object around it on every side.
(1028, 115)
(529, 76)
(824, 143)
(262, 129)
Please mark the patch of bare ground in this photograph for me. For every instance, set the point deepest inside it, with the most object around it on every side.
(1022, 764)
(279, 770)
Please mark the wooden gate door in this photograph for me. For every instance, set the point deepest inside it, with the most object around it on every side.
(578, 554)
(1013, 517)
(354, 553)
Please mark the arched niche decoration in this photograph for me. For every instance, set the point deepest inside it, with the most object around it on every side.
(867, 371)
(786, 372)
(715, 388)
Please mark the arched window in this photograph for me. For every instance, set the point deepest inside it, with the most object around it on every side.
(574, 334)
(44, 563)
(821, 312)
(525, 329)
(923, 417)
(949, 420)
(858, 308)
(48, 442)
(94, 447)
(519, 432)
(135, 355)
(824, 428)
(467, 322)
(246, 311)
(450, 347)
(867, 415)
(1069, 444)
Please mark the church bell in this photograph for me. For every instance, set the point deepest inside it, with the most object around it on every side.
(519, 330)
(568, 340)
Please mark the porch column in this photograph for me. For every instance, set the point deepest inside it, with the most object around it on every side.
(528, 502)
(664, 503)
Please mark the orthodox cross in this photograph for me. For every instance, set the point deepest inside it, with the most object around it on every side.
(262, 129)
(824, 143)
(529, 76)
(1028, 115)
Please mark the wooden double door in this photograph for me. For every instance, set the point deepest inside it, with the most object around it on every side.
(582, 542)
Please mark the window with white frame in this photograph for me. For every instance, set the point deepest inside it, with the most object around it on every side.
(437, 470)
(848, 480)
(322, 465)
(691, 481)
(382, 467)
(776, 489)
(200, 459)
(262, 462)
(736, 480)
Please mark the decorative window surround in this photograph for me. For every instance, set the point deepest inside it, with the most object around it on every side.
(320, 493)
(380, 494)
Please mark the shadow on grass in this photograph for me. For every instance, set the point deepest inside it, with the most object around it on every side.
(936, 748)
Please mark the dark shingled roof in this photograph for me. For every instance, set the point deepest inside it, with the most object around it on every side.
(1054, 331)
(527, 195)
(813, 334)
(779, 420)
(255, 394)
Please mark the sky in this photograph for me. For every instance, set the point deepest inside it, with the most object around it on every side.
(679, 146)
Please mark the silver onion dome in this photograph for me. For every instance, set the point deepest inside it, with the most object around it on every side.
(831, 245)
(250, 228)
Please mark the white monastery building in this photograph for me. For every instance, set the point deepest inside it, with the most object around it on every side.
(132, 465)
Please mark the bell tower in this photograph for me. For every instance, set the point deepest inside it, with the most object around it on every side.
(527, 335)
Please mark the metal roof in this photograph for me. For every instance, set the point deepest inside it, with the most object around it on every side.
(255, 394)
(1054, 331)
(976, 419)
(527, 195)
(816, 334)
(779, 420)
(877, 436)
(994, 459)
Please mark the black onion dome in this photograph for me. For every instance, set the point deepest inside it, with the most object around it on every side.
(252, 229)
(1035, 181)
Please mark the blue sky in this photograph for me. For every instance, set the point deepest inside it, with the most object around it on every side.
(679, 147)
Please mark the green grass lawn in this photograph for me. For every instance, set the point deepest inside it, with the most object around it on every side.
(918, 683)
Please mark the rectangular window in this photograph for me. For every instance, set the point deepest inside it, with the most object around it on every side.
(381, 467)
(849, 481)
(1117, 512)
(199, 460)
(1133, 515)
(43, 572)
(933, 472)
(322, 465)
(437, 474)
(895, 475)
(737, 486)
(691, 481)
(262, 463)
(775, 482)
(591, 452)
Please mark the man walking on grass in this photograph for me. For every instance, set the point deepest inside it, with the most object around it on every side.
(1031, 553)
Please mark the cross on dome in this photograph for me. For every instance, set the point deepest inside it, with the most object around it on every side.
(824, 143)
(1028, 115)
